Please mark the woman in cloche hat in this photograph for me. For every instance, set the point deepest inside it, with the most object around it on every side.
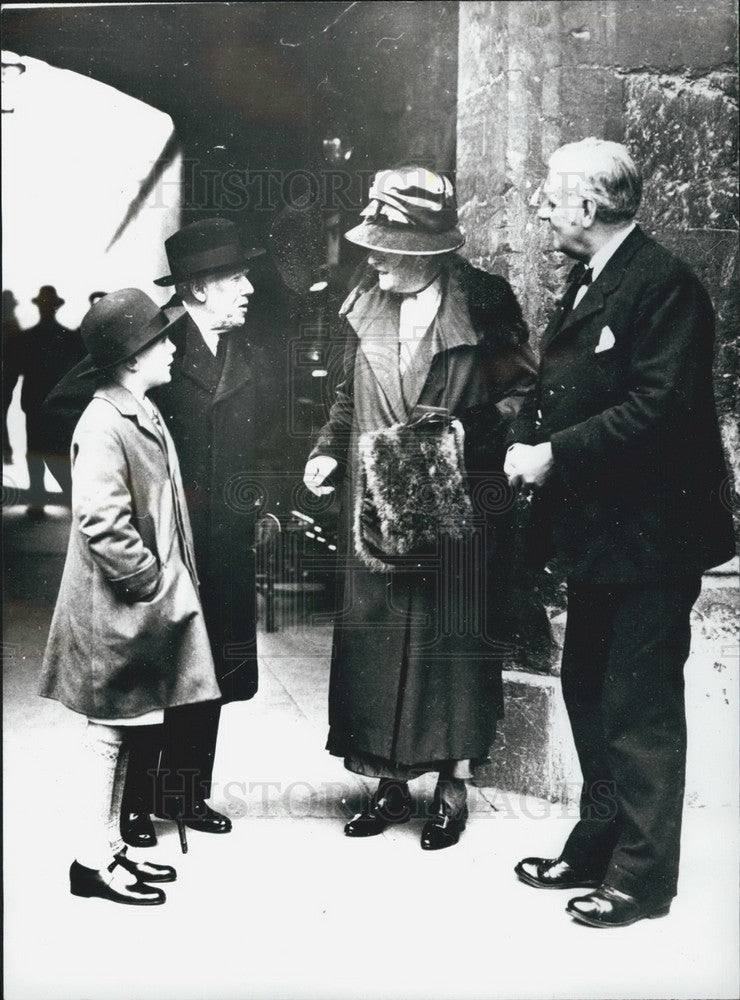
(127, 638)
(416, 666)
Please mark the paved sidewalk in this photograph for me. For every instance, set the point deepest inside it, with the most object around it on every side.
(286, 906)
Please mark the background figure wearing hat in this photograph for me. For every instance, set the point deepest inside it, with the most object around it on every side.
(59, 424)
(45, 352)
(415, 685)
(127, 639)
(211, 409)
(11, 341)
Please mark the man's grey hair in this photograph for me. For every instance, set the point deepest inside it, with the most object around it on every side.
(606, 173)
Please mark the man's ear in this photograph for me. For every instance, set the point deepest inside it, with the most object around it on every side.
(198, 290)
(589, 213)
(131, 364)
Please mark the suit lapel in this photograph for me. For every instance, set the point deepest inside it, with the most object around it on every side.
(594, 301)
(236, 369)
(197, 364)
(200, 366)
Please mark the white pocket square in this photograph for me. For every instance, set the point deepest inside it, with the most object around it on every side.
(606, 341)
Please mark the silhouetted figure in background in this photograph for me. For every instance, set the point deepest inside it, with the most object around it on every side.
(11, 334)
(59, 424)
(45, 352)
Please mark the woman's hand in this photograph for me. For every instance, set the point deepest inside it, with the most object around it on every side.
(316, 471)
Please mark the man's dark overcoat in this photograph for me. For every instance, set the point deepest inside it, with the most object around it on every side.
(639, 488)
(415, 676)
(211, 414)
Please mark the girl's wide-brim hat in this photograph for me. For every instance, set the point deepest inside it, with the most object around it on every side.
(203, 248)
(411, 211)
(118, 326)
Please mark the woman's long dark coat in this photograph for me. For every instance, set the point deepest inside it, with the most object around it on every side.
(416, 665)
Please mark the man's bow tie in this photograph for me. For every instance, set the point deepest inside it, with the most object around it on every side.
(583, 277)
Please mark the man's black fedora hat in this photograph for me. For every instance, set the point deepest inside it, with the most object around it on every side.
(48, 297)
(118, 326)
(205, 248)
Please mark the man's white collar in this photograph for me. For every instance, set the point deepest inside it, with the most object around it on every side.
(602, 256)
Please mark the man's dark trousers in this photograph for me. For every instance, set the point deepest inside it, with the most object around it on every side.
(171, 766)
(186, 766)
(622, 675)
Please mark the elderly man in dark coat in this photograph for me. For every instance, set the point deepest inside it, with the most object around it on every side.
(621, 442)
(416, 666)
(210, 409)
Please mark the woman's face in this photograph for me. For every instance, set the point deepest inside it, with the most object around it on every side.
(154, 362)
(404, 274)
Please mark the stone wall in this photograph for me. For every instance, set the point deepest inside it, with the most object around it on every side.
(659, 75)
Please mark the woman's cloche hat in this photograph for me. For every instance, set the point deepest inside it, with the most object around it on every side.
(412, 210)
(118, 326)
(205, 247)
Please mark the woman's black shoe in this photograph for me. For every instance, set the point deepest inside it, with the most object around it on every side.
(112, 884)
(390, 804)
(443, 831)
(145, 871)
(137, 828)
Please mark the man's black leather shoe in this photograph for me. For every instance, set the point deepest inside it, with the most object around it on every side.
(609, 907)
(207, 820)
(109, 884)
(391, 804)
(200, 817)
(443, 831)
(145, 871)
(554, 873)
(137, 828)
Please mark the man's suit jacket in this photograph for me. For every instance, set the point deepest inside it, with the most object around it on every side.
(625, 396)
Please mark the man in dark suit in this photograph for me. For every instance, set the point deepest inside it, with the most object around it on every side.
(213, 416)
(620, 442)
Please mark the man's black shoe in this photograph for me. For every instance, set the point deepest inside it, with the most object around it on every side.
(137, 828)
(609, 907)
(554, 873)
(207, 820)
(201, 817)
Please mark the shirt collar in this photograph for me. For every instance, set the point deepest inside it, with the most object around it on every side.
(602, 256)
